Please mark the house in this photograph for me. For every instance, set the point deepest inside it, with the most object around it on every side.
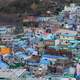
(4, 50)
(66, 35)
(29, 21)
(71, 8)
(78, 36)
(68, 78)
(6, 38)
(9, 21)
(10, 74)
(78, 27)
(20, 56)
(71, 16)
(6, 34)
(74, 44)
(48, 36)
(59, 31)
(3, 30)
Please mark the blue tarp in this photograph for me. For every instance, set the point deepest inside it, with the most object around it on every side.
(3, 65)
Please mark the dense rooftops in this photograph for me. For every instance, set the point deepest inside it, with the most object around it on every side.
(68, 35)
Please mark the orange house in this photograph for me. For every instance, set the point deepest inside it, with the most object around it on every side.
(4, 51)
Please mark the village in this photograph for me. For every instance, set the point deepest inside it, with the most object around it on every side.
(45, 48)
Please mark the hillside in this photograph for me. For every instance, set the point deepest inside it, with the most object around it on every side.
(33, 6)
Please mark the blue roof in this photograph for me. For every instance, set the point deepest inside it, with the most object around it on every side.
(48, 37)
(23, 46)
(44, 61)
(21, 55)
(3, 65)
(33, 63)
(30, 50)
(28, 34)
(52, 56)
(74, 41)
(21, 42)
(68, 35)
(71, 21)
(74, 45)
(60, 18)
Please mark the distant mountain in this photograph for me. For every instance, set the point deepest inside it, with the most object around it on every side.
(24, 6)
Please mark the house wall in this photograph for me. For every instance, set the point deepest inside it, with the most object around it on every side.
(66, 38)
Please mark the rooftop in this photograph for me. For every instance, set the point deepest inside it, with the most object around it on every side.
(68, 35)
(66, 31)
(11, 73)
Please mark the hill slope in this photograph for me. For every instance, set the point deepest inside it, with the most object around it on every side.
(24, 6)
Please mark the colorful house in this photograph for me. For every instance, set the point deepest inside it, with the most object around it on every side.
(74, 44)
(4, 50)
(29, 20)
(66, 36)
(48, 36)
(20, 56)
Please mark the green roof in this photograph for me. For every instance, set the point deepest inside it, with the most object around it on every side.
(69, 76)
